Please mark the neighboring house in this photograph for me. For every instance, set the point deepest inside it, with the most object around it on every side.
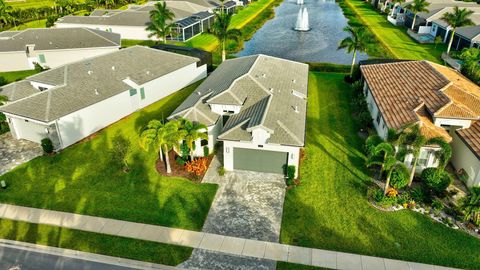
(50, 48)
(465, 37)
(439, 99)
(192, 18)
(71, 102)
(255, 105)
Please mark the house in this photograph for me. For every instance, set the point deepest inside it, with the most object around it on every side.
(71, 102)
(192, 18)
(256, 106)
(465, 37)
(439, 99)
(50, 48)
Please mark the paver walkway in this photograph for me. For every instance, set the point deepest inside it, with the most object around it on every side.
(211, 242)
(247, 205)
(14, 152)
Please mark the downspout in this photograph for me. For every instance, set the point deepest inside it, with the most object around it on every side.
(58, 135)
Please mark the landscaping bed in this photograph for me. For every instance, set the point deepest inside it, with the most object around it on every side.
(333, 194)
(179, 170)
(85, 179)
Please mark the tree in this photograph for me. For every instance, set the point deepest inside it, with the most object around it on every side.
(358, 41)
(161, 21)
(471, 206)
(3, 119)
(6, 14)
(220, 29)
(120, 150)
(437, 40)
(154, 135)
(193, 132)
(416, 7)
(457, 18)
(173, 136)
(415, 141)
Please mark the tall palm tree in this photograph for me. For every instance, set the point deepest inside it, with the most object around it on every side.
(154, 135)
(416, 7)
(161, 21)
(358, 41)
(194, 131)
(6, 14)
(457, 18)
(173, 136)
(220, 29)
(415, 141)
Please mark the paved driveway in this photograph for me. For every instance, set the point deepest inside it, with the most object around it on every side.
(15, 152)
(247, 205)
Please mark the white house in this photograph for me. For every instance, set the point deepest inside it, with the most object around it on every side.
(50, 48)
(192, 17)
(256, 106)
(439, 99)
(68, 103)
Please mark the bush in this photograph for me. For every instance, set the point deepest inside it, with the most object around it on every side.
(206, 151)
(290, 174)
(377, 195)
(404, 198)
(436, 180)
(197, 166)
(47, 145)
(180, 161)
(221, 171)
(420, 195)
(51, 20)
(371, 142)
(399, 178)
(381, 200)
(328, 67)
(364, 119)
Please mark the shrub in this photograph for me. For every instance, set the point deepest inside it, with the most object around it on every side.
(290, 174)
(377, 195)
(399, 178)
(391, 192)
(404, 198)
(120, 150)
(371, 142)
(180, 161)
(197, 166)
(51, 20)
(420, 195)
(221, 171)
(47, 145)
(206, 151)
(365, 119)
(436, 180)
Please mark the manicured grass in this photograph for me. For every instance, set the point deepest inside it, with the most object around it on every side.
(32, 24)
(205, 41)
(394, 38)
(34, 3)
(83, 179)
(329, 209)
(248, 13)
(13, 76)
(93, 242)
(293, 266)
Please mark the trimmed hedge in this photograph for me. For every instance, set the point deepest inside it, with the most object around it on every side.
(329, 67)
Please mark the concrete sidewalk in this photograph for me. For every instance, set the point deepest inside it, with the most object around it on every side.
(208, 241)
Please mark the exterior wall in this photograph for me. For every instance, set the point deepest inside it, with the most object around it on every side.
(220, 109)
(293, 152)
(260, 136)
(463, 158)
(27, 129)
(86, 121)
(126, 32)
(452, 122)
(431, 161)
(424, 29)
(380, 126)
(14, 61)
(213, 132)
(55, 58)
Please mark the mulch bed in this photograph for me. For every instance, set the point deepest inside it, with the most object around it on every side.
(179, 170)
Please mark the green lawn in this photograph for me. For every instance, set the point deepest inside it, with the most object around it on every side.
(329, 209)
(248, 13)
(394, 38)
(93, 242)
(13, 76)
(32, 24)
(82, 179)
(33, 3)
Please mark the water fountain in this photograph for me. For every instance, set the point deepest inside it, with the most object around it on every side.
(300, 2)
(302, 20)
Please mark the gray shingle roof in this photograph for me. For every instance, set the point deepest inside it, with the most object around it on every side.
(57, 38)
(271, 91)
(78, 88)
(18, 90)
(470, 32)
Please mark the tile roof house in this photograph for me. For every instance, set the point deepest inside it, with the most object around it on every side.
(192, 17)
(439, 99)
(68, 103)
(256, 106)
(50, 47)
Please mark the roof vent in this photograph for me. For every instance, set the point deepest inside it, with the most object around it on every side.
(298, 94)
(264, 75)
(96, 92)
(90, 72)
(270, 89)
(294, 81)
(148, 72)
(295, 108)
(50, 43)
(113, 67)
(199, 93)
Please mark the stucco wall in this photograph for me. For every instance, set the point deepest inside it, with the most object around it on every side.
(27, 130)
(453, 122)
(293, 152)
(126, 32)
(380, 127)
(57, 58)
(213, 132)
(463, 158)
(220, 109)
(13, 61)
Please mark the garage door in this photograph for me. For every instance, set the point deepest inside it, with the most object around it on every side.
(259, 160)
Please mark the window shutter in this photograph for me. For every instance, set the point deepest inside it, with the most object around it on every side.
(41, 58)
(142, 93)
(133, 92)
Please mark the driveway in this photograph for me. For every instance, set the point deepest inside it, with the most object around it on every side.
(247, 205)
(15, 152)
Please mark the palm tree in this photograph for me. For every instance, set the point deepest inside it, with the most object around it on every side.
(161, 21)
(471, 206)
(415, 141)
(457, 18)
(358, 41)
(220, 29)
(154, 135)
(194, 131)
(470, 57)
(173, 136)
(416, 7)
(6, 14)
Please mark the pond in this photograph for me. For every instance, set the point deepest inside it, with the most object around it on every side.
(278, 37)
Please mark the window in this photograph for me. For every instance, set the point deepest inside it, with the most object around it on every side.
(142, 93)
(424, 157)
(204, 142)
(41, 58)
(260, 146)
(133, 92)
(379, 117)
(42, 88)
(227, 111)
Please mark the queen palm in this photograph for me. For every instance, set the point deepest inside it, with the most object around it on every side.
(416, 7)
(161, 21)
(193, 132)
(358, 41)
(470, 57)
(6, 13)
(220, 29)
(455, 19)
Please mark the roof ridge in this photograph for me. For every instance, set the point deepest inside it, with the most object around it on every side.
(92, 31)
(235, 126)
(289, 132)
(204, 115)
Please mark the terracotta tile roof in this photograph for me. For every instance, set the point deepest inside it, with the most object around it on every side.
(428, 128)
(401, 88)
(471, 136)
